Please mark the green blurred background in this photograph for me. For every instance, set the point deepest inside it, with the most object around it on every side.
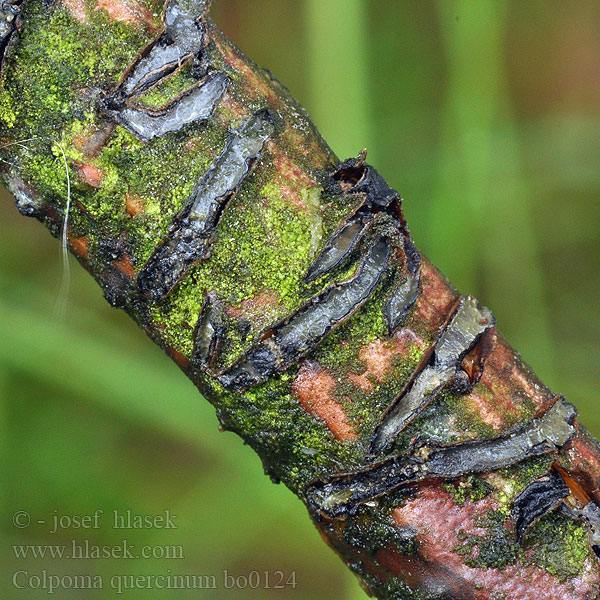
(484, 115)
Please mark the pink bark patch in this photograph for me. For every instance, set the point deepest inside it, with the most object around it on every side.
(437, 520)
(314, 387)
(128, 11)
(261, 309)
(379, 354)
(77, 9)
(511, 382)
(491, 414)
(436, 299)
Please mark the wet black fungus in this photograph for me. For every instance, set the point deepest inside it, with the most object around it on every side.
(344, 493)
(296, 336)
(9, 24)
(192, 232)
(111, 249)
(209, 333)
(538, 498)
(180, 42)
(117, 288)
(467, 325)
(354, 176)
(196, 104)
(339, 247)
(405, 294)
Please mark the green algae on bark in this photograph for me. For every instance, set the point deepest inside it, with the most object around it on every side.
(314, 417)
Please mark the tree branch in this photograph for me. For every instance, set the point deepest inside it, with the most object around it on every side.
(286, 286)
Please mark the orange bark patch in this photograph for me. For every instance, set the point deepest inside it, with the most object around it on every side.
(128, 11)
(77, 9)
(79, 246)
(313, 387)
(437, 520)
(92, 175)
(574, 486)
(134, 205)
(124, 265)
(379, 354)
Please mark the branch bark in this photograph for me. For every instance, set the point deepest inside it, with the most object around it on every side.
(286, 286)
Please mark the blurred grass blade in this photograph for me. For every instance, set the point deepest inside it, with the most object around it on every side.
(338, 74)
(481, 209)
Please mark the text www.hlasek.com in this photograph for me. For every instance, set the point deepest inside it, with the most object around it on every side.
(85, 550)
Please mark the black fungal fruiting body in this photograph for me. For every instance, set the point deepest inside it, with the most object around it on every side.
(339, 247)
(180, 43)
(281, 345)
(284, 343)
(196, 104)
(299, 334)
(466, 326)
(191, 233)
(9, 24)
(235, 118)
(538, 498)
(342, 494)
